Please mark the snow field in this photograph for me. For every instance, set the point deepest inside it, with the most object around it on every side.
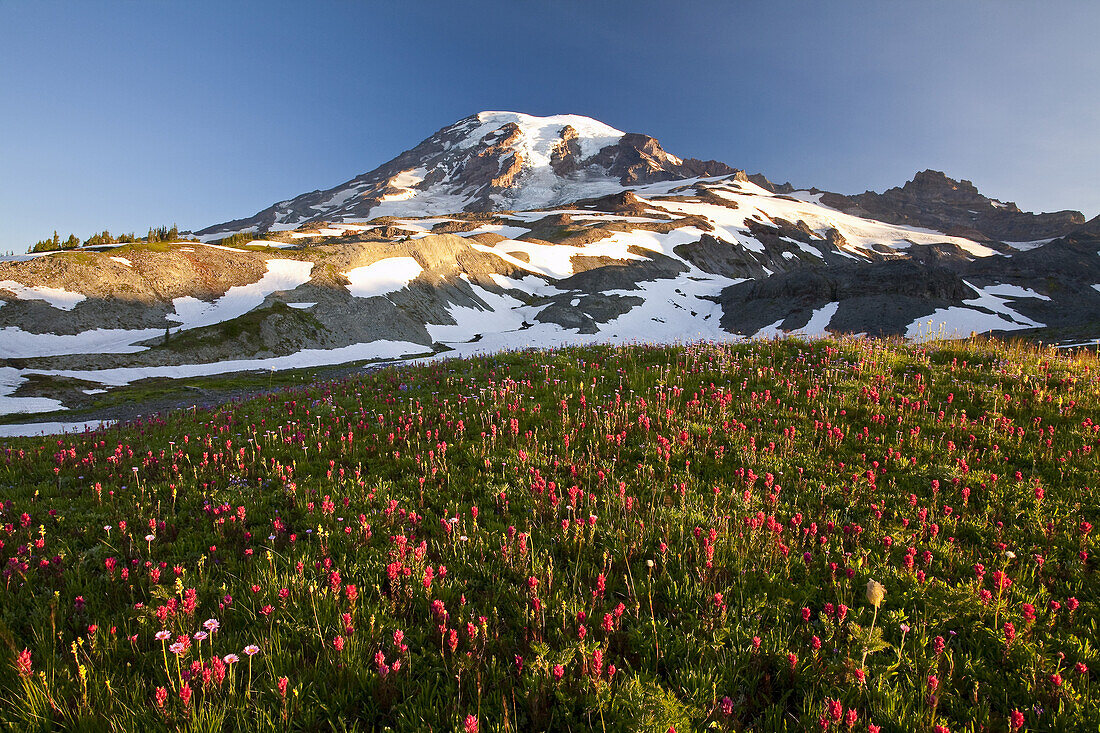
(57, 297)
(382, 277)
(240, 299)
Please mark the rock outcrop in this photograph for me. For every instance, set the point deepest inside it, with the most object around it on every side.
(935, 201)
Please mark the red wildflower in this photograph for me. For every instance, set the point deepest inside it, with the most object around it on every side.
(23, 663)
(185, 694)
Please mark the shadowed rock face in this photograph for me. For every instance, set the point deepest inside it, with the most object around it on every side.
(824, 285)
(639, 159)
(565, 156)
(495, 165)
(880, 298)
(934, 201)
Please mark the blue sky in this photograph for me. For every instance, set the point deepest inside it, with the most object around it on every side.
(135, 114)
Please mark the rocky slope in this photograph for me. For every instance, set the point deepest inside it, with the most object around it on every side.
(934, 201)
(623, 242)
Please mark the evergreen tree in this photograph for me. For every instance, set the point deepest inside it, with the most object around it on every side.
(99, 238)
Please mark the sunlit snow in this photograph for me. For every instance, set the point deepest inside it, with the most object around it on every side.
(382, 277)
(57, 297)
(240, 299)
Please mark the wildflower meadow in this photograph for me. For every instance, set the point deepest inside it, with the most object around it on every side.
(838, 535)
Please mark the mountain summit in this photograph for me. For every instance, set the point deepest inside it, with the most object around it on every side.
(491, 161)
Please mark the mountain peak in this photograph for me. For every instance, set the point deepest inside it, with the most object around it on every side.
(492, 160)
(934, 200)
(937, 181)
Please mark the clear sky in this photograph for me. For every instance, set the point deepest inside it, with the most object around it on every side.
(128, 115)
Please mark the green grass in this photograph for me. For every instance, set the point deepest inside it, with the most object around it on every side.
(247, 326)
(705, 518)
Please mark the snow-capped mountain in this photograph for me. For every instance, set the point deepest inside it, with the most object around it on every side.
(505, 231)
(492, 161)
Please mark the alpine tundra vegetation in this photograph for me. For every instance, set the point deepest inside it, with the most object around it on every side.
(840, 534)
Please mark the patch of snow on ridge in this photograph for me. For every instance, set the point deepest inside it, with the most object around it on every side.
(672, 310)
(503, 316)
(1013, 291)
(382, 277)
(990, 301)
(819, 321)
(10, 379)
(508, 232)
(409, 178)
(15, 343)
(27, 430)
(957, 322)
(1025, 246)
(770, 331)
(987, 312)
(240, 299)
(304, 359)
(123, 261)
(56, 297)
